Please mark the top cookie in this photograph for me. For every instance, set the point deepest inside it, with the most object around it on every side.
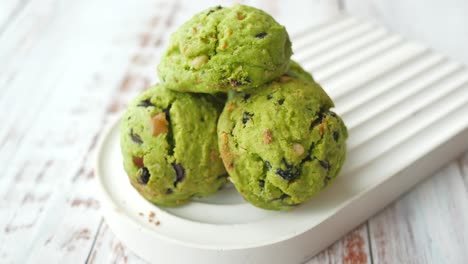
(223, 49)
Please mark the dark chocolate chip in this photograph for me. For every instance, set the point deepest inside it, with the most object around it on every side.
(144, 175)
(261, 35)
(224, 175)
(135, 137)
(267, 165)
(179, 173)
(214, 10)
(307, 158)
(282, 197)
(246, 97)
(324, 164)
(281, 101)
(261, 183)
(269, 97)
(246, 117)
(290, 173)
(145, 103)
(319, 119)
(170, 134)
(336, 136)
(235, 83)
(169, 191)
(166, 113)
(287, 174)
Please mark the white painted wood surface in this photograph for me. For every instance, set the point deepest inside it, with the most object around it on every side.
(67, 66)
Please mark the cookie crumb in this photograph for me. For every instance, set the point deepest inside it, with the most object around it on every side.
(151, 216)
(267, 138)
(157, 223)
(298, 149)
(159, 124)
(141, 214)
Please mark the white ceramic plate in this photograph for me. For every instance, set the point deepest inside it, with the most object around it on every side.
(407, 113)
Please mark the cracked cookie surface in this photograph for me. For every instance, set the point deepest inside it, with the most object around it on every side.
(169, 145)
(281, 144)
(222, 49)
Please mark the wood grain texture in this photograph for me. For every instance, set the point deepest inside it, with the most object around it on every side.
(54, 117)
(354, 248)
(426, 225)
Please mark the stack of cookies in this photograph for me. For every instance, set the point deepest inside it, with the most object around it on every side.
(232, 106)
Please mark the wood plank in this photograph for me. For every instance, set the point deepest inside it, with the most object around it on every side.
(354, 248)
(425, 225)
(109, 249)
(48, 207)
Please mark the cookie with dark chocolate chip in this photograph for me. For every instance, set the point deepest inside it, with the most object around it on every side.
(222, 49)
(169, 154)
(282, 145)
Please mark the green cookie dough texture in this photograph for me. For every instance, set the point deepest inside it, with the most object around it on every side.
(280, 143)
(222, 49)
(169, 146)
(296, 71)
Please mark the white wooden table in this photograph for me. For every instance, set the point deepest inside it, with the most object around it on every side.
(67, 67)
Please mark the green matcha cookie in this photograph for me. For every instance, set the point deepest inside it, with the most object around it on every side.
(222, 49)
(296, 71)
(280, 143)
(169, 146)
